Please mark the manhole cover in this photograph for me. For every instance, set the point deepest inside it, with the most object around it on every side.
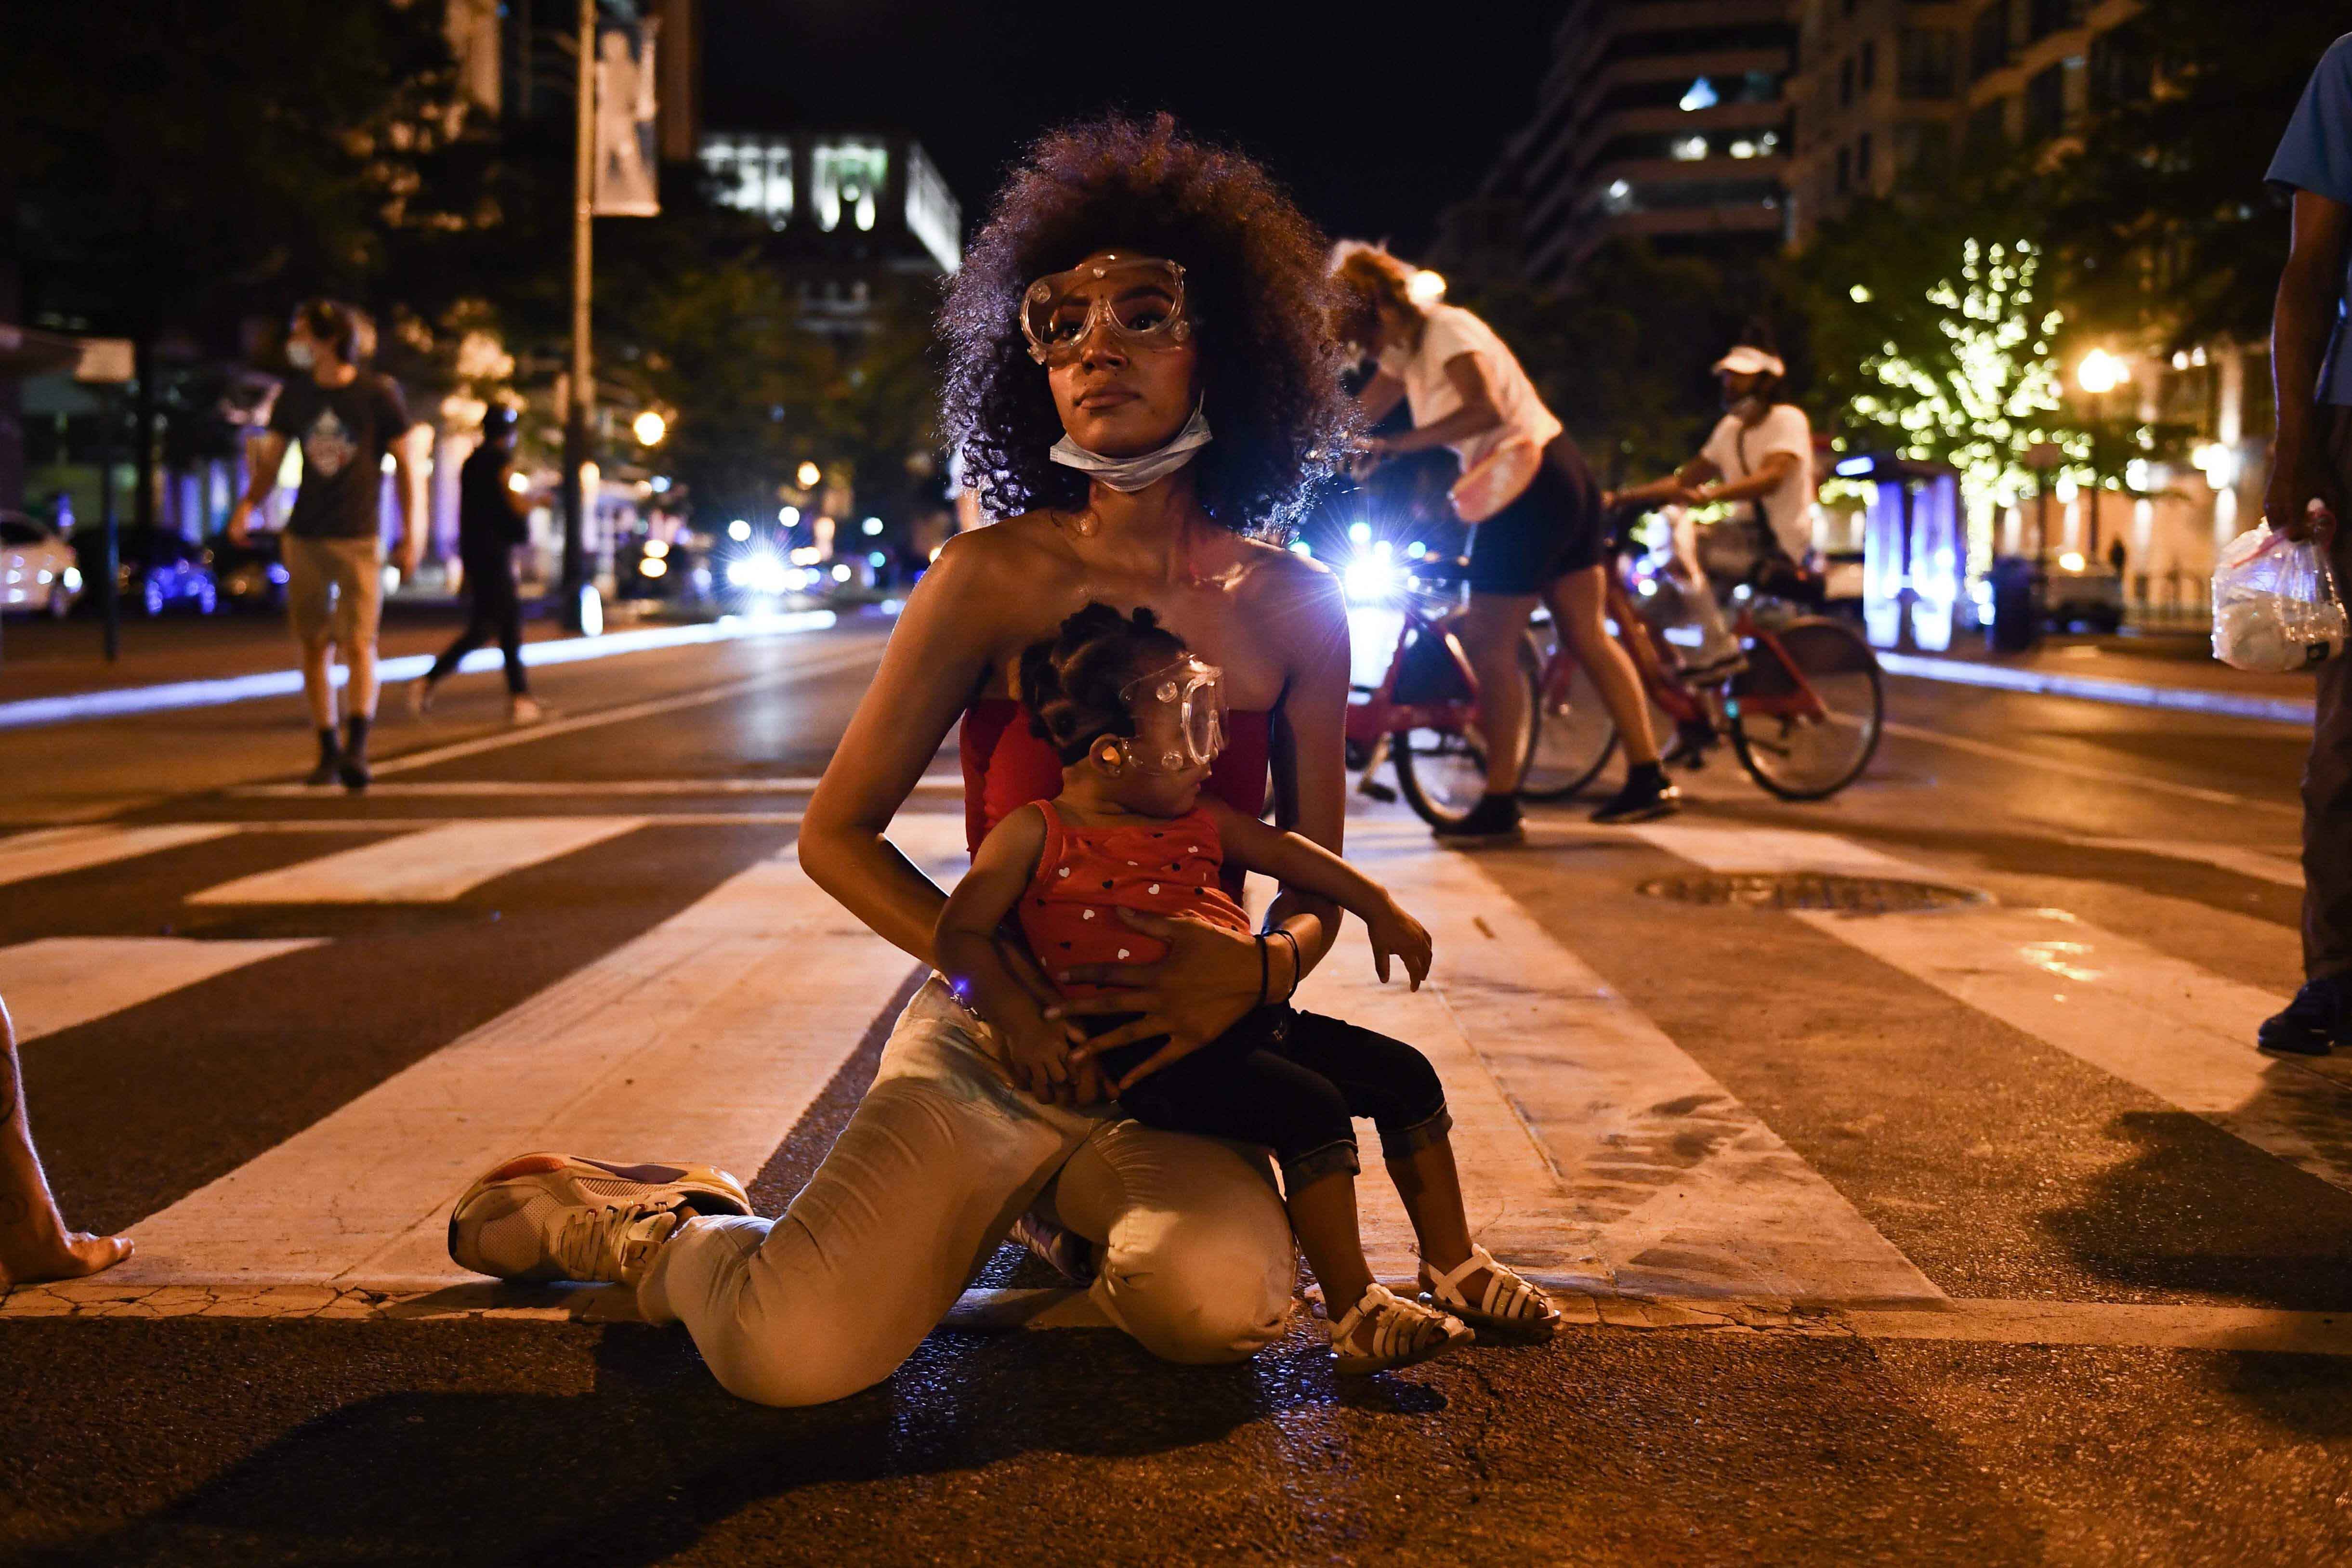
(1811, 890)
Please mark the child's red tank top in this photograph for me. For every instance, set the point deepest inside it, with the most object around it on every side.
(1084, 874)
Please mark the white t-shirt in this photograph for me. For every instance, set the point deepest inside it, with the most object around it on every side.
(1737, 451)
(1452, 332)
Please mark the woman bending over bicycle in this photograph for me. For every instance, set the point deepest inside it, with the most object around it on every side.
(1540, 530)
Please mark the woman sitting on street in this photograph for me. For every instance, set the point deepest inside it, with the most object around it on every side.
(1141, 380)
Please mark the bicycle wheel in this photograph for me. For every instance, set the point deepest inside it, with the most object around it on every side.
(1574, 736)
(1441, 773)
(1804, 756)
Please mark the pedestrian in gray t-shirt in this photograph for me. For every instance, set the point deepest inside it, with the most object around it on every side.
(346, 420)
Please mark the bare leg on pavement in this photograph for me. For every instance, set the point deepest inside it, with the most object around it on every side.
(33, 1241)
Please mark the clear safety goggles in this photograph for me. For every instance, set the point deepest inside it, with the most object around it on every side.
(1137, 300)
(1193, 695)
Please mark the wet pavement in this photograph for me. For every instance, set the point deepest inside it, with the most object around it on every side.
(1977, 1234)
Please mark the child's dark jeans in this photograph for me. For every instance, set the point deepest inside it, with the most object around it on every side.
(1292, 1081)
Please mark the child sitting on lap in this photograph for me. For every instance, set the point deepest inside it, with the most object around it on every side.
(1136, 720)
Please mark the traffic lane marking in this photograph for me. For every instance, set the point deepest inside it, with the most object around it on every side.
(704, 1036)
(436, 865)
(1669, 1182)
(2259, 864)
(55, 983)
(54, 852)
(535, 789)
(2171, 1027)
(807, 669)
(1964, 1321)
(122, 702)
(2088, 772)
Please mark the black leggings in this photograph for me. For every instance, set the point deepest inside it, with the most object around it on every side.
(496, 612)
(1292, 1081)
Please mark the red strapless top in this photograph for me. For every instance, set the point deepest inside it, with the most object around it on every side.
(1006, 767)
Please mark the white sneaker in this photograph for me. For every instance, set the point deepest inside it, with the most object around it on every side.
(524, 710)
(558, 1216)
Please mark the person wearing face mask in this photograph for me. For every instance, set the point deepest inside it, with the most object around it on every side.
(347, 419)
(1539, 532)
(1143, 389)
(1760, 458)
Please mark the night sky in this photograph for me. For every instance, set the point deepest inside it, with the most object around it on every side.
(1374, 128)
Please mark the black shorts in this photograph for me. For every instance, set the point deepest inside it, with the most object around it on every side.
(1555, 527)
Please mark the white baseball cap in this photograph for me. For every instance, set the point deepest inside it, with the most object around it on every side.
(1750, 361)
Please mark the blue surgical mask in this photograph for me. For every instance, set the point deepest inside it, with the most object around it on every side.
(1129, 474)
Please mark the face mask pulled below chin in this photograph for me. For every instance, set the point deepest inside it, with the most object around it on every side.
(301, 355)
(1129, 474)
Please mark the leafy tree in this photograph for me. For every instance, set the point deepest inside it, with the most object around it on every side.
(170, 162)
(2159, 219)
(1623, 356)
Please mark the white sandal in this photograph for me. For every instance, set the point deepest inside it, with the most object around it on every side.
(1510, 1305)
(1396, 1332)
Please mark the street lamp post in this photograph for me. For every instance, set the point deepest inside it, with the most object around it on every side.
(581, 389)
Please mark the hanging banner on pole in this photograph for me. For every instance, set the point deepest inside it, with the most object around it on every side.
(625, 153)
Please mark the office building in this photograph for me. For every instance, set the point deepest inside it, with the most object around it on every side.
(1665, 119)
(1898, 94)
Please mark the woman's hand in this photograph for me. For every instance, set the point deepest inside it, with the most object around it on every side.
(1211, 980)
(1038, 1048)
(1394, 932)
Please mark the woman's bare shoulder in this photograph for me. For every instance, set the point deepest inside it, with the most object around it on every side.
(1275, 579)
(985, 558)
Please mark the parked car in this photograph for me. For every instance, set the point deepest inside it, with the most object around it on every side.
(2084, 593)
(252, 575)
(676, 571)
(37, 571)
(157, 568)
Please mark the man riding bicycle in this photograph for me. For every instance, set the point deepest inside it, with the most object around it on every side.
(1760, 454)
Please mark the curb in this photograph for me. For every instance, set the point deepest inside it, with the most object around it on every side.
(2098, 689)
(127, 700)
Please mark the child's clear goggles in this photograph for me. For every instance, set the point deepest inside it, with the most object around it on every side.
(1139, 300)
(1194, 694)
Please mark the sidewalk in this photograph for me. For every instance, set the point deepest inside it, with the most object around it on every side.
(2164, 669)
(43, 658)
(56, 674)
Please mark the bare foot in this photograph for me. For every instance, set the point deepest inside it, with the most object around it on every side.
(80, 1255)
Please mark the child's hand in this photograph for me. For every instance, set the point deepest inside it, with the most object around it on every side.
(1394, 931)
(1040, 1049)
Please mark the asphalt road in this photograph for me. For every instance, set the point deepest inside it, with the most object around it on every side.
(1977, 1236)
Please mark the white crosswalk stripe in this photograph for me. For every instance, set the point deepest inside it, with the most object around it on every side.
(52, 851)
(706, 1037)
(431, 866)
(1595, 1151)
(1652, 1177)
(58, 982)
(2163, 1025)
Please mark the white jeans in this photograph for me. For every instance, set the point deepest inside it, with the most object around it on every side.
(939, 1159)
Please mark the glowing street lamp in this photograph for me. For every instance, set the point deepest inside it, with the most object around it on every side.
(2100, 373)
(650, 428)
(809, 474)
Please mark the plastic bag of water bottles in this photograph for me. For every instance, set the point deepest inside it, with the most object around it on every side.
(2275, 607)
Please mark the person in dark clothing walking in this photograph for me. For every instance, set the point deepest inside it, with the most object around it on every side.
(2311, 474)
(491, 513)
